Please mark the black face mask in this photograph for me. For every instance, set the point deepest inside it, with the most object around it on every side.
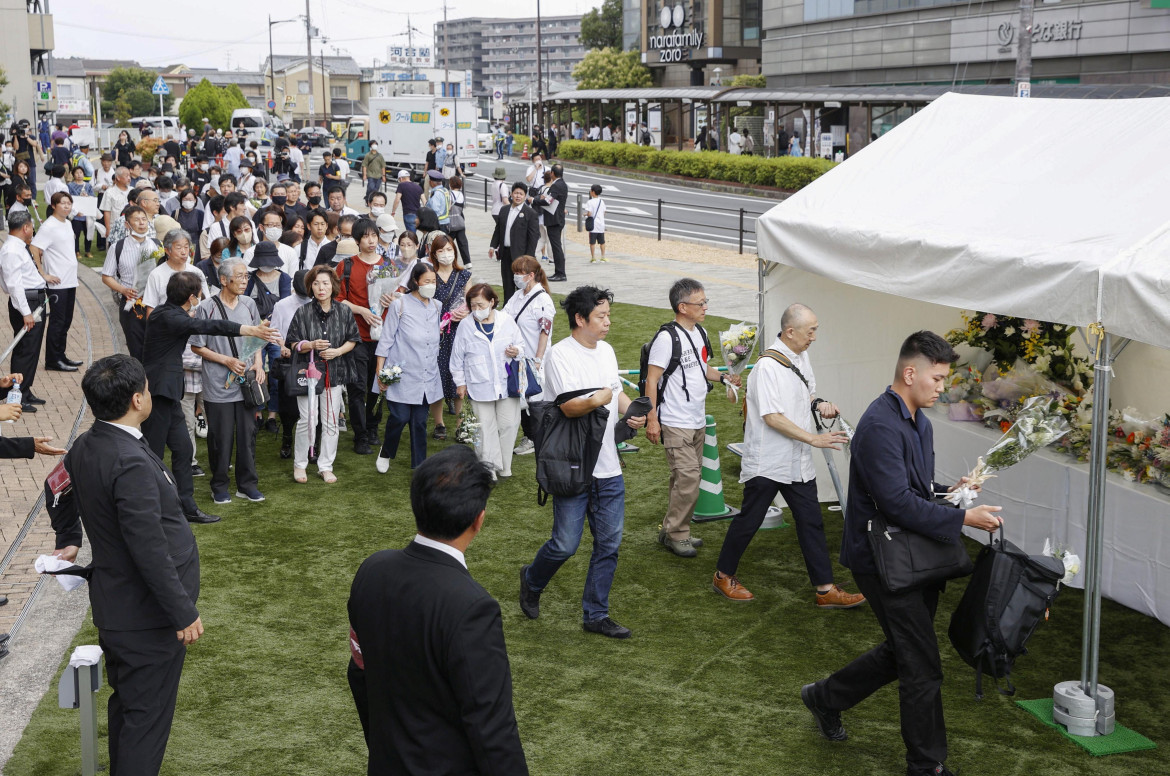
(314, 201)
(279, 199)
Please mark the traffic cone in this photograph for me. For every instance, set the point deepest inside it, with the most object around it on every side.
(711, 505)
(524, 153)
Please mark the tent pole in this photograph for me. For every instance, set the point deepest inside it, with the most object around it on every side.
(760, 301)
(1095, 528)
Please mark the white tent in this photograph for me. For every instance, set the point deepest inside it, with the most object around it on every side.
(1046, 209)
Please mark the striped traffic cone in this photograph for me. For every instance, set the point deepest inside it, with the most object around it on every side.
(711, 505)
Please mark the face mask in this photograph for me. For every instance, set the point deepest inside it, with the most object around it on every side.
(519, 281)
(140, 235)
(204, 167)
(272, 233)
(279, 199)
(408, 251)
(446, 258)
(244, 238)
(154, 176)
(386, 236)
(215, 181)
(314, 201)
(188, 205)
(481, 315)
(377, 210)
(427, 292)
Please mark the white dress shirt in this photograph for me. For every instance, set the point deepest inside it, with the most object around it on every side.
(445, 548)
(512, 213)
(134, 432)
(18, 273)
(774, 388)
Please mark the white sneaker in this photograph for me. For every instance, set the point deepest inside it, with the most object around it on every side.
(382, 465)
(201, 426)
(526, 447)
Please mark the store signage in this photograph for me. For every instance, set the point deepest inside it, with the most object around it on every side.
(675, 44)
(1054, 34)
(408, 55)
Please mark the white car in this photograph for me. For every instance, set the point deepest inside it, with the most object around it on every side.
(484, 139)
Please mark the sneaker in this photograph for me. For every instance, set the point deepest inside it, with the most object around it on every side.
(201, 426)
(607, 627)
(197, 471)
(251, 494)
(341, 426)
(271, 426)
(836, 598)
(440, 433)
(382, 465)
(682, 548)
(286, 450)
(361, 447)
(221, 498)
(730, 588)
(526, 447)
(828, 720)
(529, 599)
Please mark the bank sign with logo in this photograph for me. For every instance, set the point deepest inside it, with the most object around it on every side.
(676, 40)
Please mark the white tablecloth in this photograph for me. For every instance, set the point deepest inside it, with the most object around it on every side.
(1047, 496)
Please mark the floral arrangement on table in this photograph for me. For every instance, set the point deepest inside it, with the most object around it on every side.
(1030, 358)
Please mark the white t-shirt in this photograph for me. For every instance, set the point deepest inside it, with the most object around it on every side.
(596, 208)
(773, 387)
(538, 179)
(297, 158)
(538, 317)
(55, 238)
(570, 366)
(156, 283)
(289, 255)
(606, 134)
(54, 185)
(343, 168)
(677, 411)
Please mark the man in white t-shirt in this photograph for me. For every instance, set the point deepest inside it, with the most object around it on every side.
(778, 441)
(676, 382)
(54, 247)
(583, 360)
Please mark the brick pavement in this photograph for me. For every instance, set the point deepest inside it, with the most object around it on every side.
(23, 479)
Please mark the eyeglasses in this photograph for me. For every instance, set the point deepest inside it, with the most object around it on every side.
(700, 303)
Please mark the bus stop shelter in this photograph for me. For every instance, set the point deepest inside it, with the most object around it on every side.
(673, 115)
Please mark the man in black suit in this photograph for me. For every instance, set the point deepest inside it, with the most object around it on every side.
(891, 474)
(145, 572)
(20, 447)
(554, 199)
(167, 330)
(429, 669)
(21, 279)
(517, 233)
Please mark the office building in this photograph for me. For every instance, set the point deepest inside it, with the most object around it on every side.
(26, 42)
(694, 42)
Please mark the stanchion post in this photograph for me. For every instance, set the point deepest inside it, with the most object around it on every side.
(580, 215)
(659, 220)
(741, 231)
(87, 703)
(485, 196)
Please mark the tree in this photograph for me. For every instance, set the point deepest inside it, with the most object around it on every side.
(4, 107)
(750, 81)
(132, 85)
(205, 101)
(235, 98)
(601, 28)
(609, 68)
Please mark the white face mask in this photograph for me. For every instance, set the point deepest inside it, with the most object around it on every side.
(481, 315)
(140, 235)
(188, 205)
(408, 250)
(446, 258)
(427, 291)
(272, 233)
(519, 281)
(377, 210)
(204, 167)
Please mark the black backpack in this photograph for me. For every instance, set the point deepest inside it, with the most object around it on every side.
(566, 448)
(1009, 593)
(670, 327)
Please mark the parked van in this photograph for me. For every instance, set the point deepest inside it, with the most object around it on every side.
(261, 125)
(164, 127)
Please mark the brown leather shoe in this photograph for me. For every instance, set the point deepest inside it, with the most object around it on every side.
(730, 588)
(836, 598)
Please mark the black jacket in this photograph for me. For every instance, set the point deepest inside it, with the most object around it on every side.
(325, 255)
(145, 560)
(435, 693)
(559, 190)
(891, 472)
(525, 231)
(167, 331)
(17, 447)
(339, 327)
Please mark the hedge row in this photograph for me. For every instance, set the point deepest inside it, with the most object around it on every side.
(783, 172)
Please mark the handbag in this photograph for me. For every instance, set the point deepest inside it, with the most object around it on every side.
(907, 559)
(296, 381)
(515, 372)
(254, 392)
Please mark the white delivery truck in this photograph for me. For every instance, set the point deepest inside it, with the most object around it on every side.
(402, 127)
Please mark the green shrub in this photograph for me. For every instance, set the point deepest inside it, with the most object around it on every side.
(784, 172)
(147, 148)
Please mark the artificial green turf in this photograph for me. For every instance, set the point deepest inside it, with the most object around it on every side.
(705, 686)
(1121, 740)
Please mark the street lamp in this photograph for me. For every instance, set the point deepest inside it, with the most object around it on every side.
(271, 63)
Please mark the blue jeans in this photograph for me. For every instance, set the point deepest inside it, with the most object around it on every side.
(410, 221)
(372, 185)
(403, 416)
(604, 506)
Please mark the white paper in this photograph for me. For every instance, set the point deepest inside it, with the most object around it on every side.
(53, 563)
(86, 206)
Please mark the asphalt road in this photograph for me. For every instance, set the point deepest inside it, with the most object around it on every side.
(632, 206)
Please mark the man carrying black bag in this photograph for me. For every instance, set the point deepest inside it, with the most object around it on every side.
(584, 361)
(891, 480)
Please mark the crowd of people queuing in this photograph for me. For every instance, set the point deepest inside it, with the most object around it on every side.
(254, 283)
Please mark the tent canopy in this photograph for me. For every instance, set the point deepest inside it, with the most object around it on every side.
(1046, 209)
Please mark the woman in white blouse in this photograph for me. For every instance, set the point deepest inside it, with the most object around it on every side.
(410, 340)
(533, 310)
(485, 344)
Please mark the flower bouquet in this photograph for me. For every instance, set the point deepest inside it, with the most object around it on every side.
(141, 275)
(382, 280)
(389, 375)
(1038, 424)
(737, 344)
(1071, 562)
(468, 431)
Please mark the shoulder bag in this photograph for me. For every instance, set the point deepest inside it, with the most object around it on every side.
(906, 559)
(255, 393)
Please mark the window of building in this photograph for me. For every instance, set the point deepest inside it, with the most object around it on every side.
(338, 92)
(302, 87)
(65, 90)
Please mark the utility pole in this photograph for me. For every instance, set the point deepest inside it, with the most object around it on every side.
(1024, 50)
(447, 85)
(309, 61)
(539, 93)
(410, 48)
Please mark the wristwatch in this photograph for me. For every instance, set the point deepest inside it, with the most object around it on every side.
(723, 379)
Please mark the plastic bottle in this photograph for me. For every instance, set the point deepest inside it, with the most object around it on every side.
(14, 395)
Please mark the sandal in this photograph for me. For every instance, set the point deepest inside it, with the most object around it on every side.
(299, 475)
(328, 477)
